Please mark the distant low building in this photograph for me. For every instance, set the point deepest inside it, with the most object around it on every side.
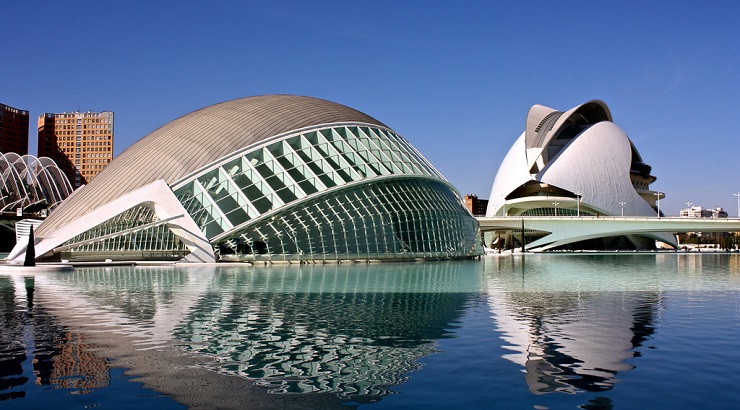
(476, 206)
(700, 212)
(703, 237)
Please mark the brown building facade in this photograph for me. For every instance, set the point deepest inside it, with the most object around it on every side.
(81, 143)
(476, 206)
(13, 130)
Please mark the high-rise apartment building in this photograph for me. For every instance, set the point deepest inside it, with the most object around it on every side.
(81, 143)
(13, 130)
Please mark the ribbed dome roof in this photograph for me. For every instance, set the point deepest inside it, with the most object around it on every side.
(198, 139)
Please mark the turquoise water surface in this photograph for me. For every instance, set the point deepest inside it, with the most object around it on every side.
(591, 331)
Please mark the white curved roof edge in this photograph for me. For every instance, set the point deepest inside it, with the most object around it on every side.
(572, 113)
(536, 116)
(157, 196)
(511, 174)
(539, 114)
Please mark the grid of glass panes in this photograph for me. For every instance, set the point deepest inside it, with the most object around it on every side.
(397, 218)
(264, 179)
(157, 238)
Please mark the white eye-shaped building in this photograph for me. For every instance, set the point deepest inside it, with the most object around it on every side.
(273, 178)
(576, 163)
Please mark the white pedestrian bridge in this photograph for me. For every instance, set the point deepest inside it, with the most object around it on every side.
(569, 229)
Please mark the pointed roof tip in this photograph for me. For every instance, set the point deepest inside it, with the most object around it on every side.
(537, 116)
(598, 107)
(543, 122)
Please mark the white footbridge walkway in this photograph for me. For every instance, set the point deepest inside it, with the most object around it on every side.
(568, 229)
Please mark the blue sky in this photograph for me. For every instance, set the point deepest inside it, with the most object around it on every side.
(454, 78)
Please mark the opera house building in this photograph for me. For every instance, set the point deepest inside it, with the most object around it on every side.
(574, 163)
(265, 178)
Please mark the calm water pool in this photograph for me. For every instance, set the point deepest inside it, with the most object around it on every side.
(590, 331)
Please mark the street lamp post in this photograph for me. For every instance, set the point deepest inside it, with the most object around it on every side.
(556, 207)
(658, 195)
(738, 203)
(622, 203)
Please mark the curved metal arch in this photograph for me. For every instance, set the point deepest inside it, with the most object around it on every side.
(60, 179)
(47, 185)
(9, 193)
(27, 180)
(34, 192)
(540, 119)
(16, 186)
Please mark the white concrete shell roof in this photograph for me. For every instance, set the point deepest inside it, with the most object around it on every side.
(197, 139)
(543, 123)
(592, 161)
(595, 164)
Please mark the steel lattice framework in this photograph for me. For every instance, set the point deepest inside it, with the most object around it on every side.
(28, 181)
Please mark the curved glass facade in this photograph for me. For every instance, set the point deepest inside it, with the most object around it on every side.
(340, 191)
(406, 218)
(251, 184)
(336, 192)
(134, 234)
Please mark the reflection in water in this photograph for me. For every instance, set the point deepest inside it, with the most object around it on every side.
(33, 343)
(567, 323)
(339, 336)
(352, 331)
(12, 347)
(327, 328)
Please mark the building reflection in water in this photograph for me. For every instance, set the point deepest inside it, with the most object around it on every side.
(350, 330)
(35, 348)
(567, 321)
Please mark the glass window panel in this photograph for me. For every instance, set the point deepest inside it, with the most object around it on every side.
(309, 186)
(298, 174)
(287, 194)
